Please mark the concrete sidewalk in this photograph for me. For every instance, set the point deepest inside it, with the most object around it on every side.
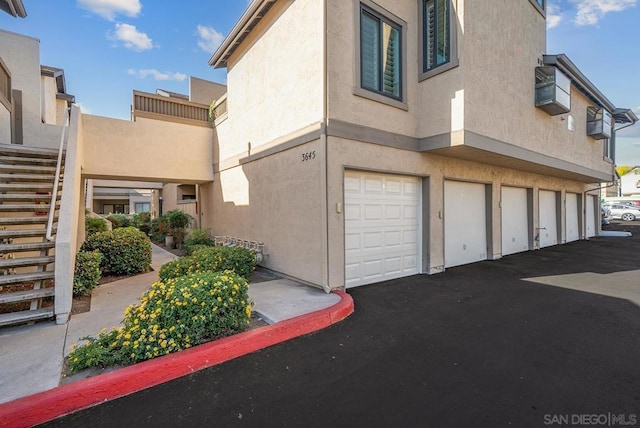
(31, 357)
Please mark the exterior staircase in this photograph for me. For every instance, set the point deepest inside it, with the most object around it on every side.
(26, 256)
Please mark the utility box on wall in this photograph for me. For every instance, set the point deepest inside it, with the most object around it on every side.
(599, 123)
(553, 91)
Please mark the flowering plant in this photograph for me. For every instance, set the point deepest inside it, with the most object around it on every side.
(172, 315)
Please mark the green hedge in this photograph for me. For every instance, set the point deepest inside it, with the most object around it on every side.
(126, 250)
(87, 272)
(211, 259)
(171, 316)
(197, 239)
(119, 220)
(94, 225)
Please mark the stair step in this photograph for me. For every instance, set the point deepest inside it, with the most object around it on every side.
(26, 197)
(6, 221)
(26, 261)
(22, 277)
(28, 151)
(26, 178)
(25, 316)
(28, 169)
(23, 233)
(27, 187)
(23, 208)
(18, 160)
(32, 246)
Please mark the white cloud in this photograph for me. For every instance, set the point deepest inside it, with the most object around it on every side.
(157, 75)
(590, 12)
(209, 39)
(131, 38)
(109, 9)
(554, 15)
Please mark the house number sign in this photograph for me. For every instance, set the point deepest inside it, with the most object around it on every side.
(308, 156)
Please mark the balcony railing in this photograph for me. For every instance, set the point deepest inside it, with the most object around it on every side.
(153, 106)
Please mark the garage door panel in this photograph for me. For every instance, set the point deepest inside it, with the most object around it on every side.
(465, 223)
(572, 222)
(515, 220)
(381, 227)
(548, 218)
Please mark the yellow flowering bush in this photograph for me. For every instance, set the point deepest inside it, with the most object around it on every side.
(172, 315)
(211, 259)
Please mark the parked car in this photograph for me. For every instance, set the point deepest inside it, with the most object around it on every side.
(624, 212)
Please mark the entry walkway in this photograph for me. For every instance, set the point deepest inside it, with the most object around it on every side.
(31, 357)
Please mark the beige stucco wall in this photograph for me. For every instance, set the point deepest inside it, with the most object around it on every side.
(342, 16)
(21, 54)
(435, 170)
(5, 125)
(499, 88)
(204, 92)
(48, 99)
(277, 200)
(147, 150)
(273, 89)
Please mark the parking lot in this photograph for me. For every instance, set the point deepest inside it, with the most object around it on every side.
(525, 341)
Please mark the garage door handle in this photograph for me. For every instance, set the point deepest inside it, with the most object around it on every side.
(541, 228)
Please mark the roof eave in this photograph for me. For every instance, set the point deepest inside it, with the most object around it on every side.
(239, 32)
(624, 116)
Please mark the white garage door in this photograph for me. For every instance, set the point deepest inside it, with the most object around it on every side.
(572, 217)
(515, 220)
(382, 227)
(465, 224)
(548, 227)
(591, 217)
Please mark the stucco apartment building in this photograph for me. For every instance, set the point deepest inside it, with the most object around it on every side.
(367, 140)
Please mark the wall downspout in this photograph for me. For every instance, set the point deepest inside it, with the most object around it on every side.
(323, 140)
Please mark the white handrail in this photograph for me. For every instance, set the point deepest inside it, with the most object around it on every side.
(56, 181)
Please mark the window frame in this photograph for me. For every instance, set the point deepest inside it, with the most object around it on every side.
(396, 22)
(541, 8)
(135, 207)
(453, 42)
(5, 99)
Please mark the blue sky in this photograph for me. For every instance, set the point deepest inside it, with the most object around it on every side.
(110, 47)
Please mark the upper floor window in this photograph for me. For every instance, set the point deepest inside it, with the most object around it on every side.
(380, 54)
(436, 33)
(5, 85)
(541, 3)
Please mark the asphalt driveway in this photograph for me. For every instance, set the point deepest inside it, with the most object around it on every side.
(514, 342)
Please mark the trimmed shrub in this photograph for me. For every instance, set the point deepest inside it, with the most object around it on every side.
(193, 248)
(171, 316)
(211, 259)
(159, 228)
(87, 272)
(126, 250)
(142, 221)
(196, 239)
(94, 225)
(119, 220)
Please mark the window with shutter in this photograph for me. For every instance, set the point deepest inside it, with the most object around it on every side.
(380, 54)
(436, 33)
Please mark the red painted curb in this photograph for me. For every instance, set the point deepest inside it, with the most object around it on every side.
(45, 406)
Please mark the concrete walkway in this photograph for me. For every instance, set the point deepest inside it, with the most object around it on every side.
(31, 357)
